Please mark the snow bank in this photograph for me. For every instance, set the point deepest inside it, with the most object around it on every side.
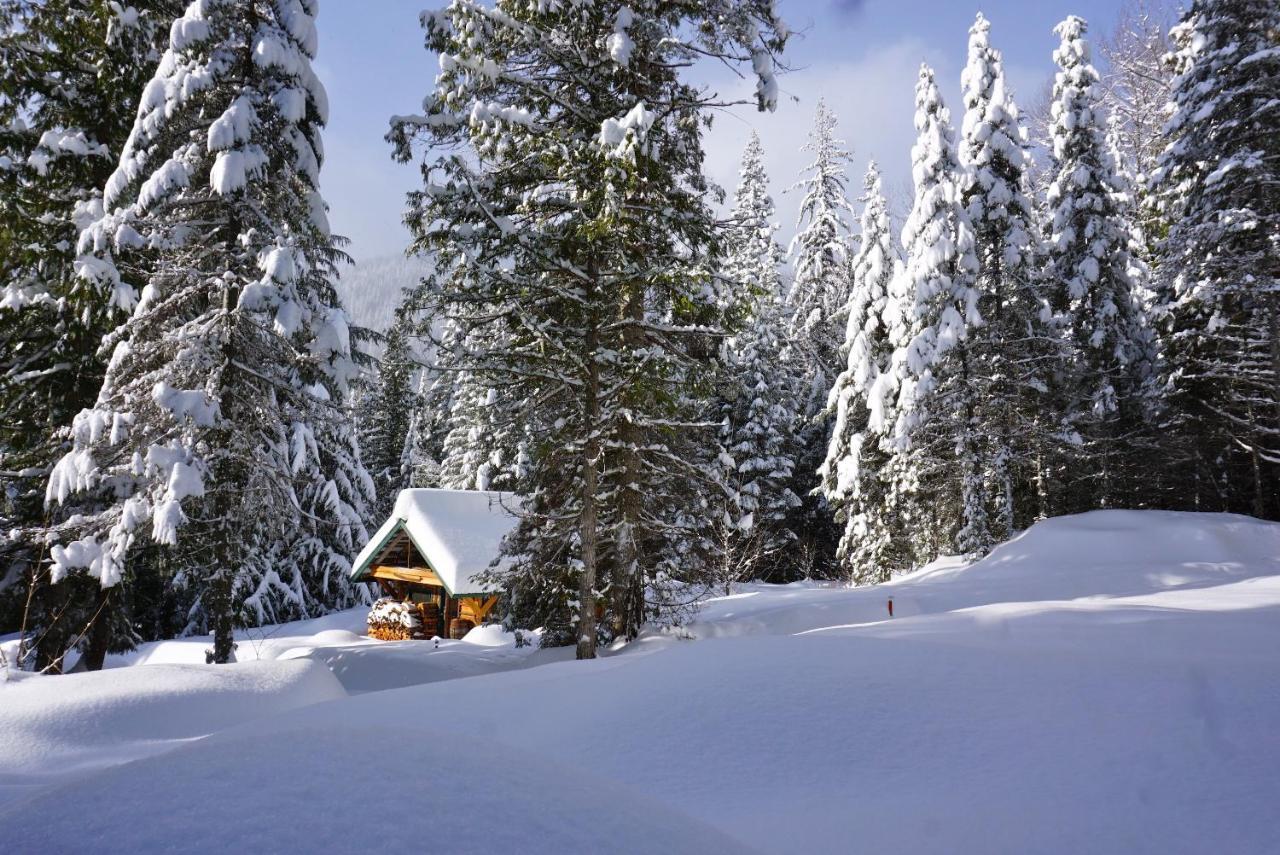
(1099, 556)
(1105, 683)
(361, 664)
(56, 726)
(352, 786)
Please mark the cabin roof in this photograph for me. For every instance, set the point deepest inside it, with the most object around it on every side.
(458, 532)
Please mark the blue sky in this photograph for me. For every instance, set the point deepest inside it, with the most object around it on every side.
(861, 55)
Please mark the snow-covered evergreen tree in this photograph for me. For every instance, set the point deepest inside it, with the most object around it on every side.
(387, 409)
(1218, 181)
(754, 262)
(856, 474)
(820, 260)
(1012, 352)
(936, 430)
(817, 300)
(1094, 279)
(564, 199)
(221, 428)
(760, 416)
(71, 72)
(484, 447)
(1137, 87)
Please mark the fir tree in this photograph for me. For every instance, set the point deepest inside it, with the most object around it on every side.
(1093, 271)
(936, 430)
(221, 429)
(387, 409)
(856, 475)
(484, 447)
(1012, 352)
(1220, 263)
(760, 416)
(71, 72)
(817, 300)
(820, 260)
(438, 384)
(565, 203)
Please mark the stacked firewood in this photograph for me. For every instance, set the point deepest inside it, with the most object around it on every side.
(392, 620)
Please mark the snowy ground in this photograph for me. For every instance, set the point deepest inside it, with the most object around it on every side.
(1103, 683)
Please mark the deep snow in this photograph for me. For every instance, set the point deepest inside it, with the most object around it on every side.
(1103, 683)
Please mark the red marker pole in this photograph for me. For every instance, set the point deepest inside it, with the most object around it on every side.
(891, 607)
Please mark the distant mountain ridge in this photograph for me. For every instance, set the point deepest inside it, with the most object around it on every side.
(372, 290)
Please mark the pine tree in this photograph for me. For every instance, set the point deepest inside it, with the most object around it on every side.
(221, 428)
(438, 383)
(936, 430)
(1220, 263)
(1012, 352)
(70, 75)
(856, 474)
(820, 260)
(484, 447)
(1093, 272)
(816, 302)
(760, 415)
(564, 200)
(387, 409)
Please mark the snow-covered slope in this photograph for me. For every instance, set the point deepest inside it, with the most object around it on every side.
(1103, 683)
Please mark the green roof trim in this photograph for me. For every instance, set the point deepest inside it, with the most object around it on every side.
(363, 569)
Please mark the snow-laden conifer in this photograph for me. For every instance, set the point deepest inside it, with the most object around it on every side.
(935, 429)
(760, 419)
(1093, 275)
(817, 300)
(820, 259)
(71, 72)
(1220, 264)
(856, 476)
(221, 428)
(1012, 352)
(565, 203)
(386, 412)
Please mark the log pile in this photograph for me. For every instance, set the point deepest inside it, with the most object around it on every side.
(392, 620)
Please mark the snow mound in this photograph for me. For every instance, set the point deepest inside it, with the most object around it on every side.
(1097, 557)
(351, 786)
(1105, 683)
(54, 725)
(1124, 552)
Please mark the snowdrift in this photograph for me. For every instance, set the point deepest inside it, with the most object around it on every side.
(347, 786)
(56, 726)
(1102, 683)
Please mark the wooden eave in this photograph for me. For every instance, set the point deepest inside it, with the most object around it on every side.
(387, 562)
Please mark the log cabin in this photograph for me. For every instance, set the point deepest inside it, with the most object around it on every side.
(432, 552)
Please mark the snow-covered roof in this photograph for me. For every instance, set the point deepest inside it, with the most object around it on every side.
(458, 532)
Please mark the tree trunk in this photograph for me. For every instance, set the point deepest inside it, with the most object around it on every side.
(1273, 307)
(588, 522)
(229, 476)
(221, 619)
(628, 587)
(99, 635)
